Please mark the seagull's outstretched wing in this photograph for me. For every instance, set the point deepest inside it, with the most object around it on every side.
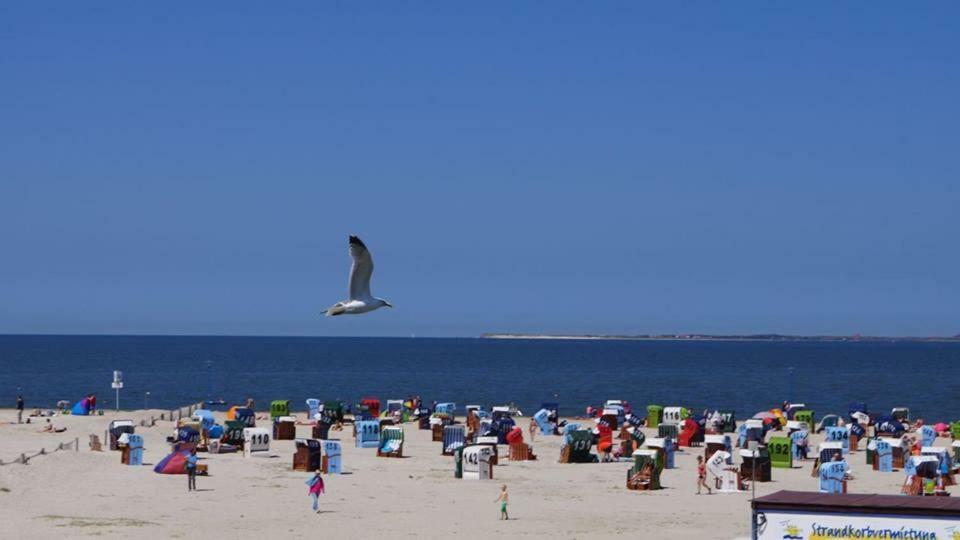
(361, 270)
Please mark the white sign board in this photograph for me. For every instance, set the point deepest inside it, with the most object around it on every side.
(781, 524)
(255, 440)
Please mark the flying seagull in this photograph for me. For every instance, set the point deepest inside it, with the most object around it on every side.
(360, 301)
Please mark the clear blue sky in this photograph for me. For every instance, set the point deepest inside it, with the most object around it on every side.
(551, 166)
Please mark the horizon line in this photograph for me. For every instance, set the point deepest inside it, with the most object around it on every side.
(682, 336)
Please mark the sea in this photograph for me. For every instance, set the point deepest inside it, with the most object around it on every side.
(165, 372)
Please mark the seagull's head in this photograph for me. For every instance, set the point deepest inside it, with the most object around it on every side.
(384, 303)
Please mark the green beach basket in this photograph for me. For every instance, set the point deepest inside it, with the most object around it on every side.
(233, 432)
(580, 442)
(279, 407)
(781, 454)
(671, 431)
(729, 421)
(654, 415)
(807, 417)
(642, 460)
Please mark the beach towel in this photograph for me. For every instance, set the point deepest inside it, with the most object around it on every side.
(390, 445)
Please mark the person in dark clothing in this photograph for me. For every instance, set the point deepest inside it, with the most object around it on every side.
(19, 409)
(192, 470)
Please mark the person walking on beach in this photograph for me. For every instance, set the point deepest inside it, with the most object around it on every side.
(533, 428)
(702, 476)
(316, 488)
(19, 409)
(192, 470)
(503, 499)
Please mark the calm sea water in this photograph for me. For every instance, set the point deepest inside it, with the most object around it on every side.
(745, 376)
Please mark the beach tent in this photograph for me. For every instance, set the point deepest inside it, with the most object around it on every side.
(332, 411)
(255, 440)
(368, 434)
(888, 425)
(333, 457)
(634, 420)
(279, 407)
(476, 462)
(927, 436)
(446, 407)
(955, 430)
(501, 427)
(829, 420)
(491, 442)
(806, 416)
(233, 433)
(118, 428)
(943, 458)
(542, 418)
(654, 415)
(665, 449)
(827, 449)
(716, 443)
(554, 418)
(81, 408)
(924, 466)
(175, 463)
(883, 456)
(245, 415)
(691, 434)
(799, 443)
(134, 450)
(188, 435)
(831, 475)
(370, 406)
(313, 407)
(856, 406)
(645, 473)
(728, 477)
(901, 413)
(792, 409)
(755, 464)
(454, 436)
(920, 470)
(500, 412)
(391, 442)
(729, 421)
(668, 430)
(307, 455)
(204, 417)
(860, 418)
(781, 452)
(751, 430)
(285, 428)
(633, 438)
(577, 447)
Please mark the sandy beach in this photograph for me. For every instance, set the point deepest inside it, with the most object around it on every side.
(90, 494)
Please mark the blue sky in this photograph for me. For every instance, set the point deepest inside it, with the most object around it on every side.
(615, 167)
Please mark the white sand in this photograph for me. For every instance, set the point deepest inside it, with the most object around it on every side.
(83, 494)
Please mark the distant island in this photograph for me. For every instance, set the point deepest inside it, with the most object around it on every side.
(721, 337)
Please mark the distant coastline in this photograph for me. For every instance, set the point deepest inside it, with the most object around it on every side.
(734, 337)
